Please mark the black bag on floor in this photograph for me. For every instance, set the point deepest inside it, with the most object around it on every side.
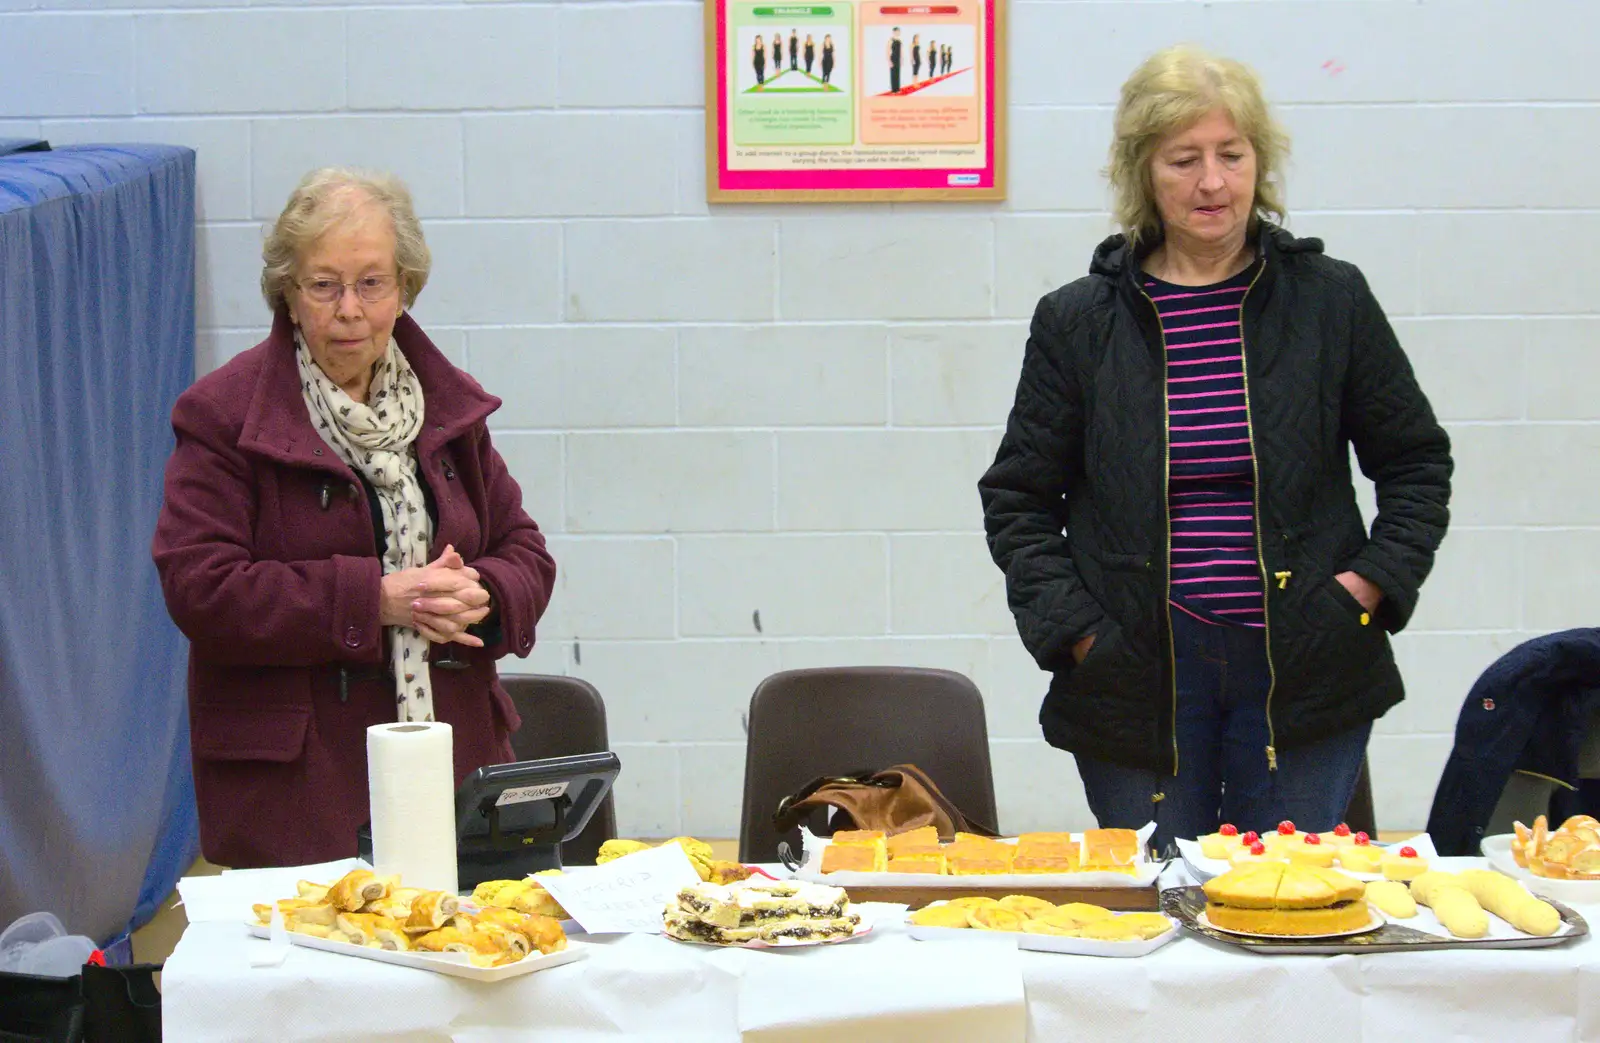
(100, 1005)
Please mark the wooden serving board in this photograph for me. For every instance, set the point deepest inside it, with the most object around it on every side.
(1118, 898)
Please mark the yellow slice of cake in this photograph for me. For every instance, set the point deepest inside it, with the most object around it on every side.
(921, 837)
(1109, 849)
(854, 858)
(919, 861)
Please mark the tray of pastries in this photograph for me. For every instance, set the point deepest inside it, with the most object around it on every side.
(503, 931)
(762, 914)
(1353, 853)
(1074, 928)
(1561, 863)
(1282, 907)
(915, 867)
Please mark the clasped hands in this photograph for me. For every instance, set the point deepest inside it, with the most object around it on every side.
(439, 600)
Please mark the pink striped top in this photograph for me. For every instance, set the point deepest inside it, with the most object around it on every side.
(1211, 501)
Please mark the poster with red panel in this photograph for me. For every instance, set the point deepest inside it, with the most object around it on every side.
(854, 100)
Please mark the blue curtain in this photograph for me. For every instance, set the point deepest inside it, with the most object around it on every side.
(97, 816)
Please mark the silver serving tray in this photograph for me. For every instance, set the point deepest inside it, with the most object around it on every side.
(1185, 904)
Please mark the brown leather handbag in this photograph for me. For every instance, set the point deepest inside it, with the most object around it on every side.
(894, 800)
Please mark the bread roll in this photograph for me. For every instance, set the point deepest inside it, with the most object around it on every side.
(1393, 897)
(1510, 901)
(1452, 903)
(1424, 885)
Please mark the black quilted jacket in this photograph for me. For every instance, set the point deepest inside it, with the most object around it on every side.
(1075, 502)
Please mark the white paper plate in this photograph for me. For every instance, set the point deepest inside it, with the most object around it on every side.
(1375, 920)
(1051, 942)
(453, 963)
(1497, 849)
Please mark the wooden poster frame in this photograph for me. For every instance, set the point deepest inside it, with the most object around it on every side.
(991, 184)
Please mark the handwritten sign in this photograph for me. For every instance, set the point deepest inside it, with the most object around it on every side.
(625, 896)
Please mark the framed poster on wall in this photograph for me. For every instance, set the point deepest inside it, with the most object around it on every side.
(854, 100)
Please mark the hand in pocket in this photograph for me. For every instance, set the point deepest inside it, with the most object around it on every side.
(1080, 650)
(1366, 592)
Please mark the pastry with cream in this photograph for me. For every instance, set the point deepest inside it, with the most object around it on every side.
(1224, 842)
(1311, 851)
(1255, 852)
(1404, 864)
(1360, 858)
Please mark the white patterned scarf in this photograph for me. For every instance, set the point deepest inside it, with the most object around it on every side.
(374, 438)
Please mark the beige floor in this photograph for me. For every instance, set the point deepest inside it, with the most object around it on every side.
(154, 942)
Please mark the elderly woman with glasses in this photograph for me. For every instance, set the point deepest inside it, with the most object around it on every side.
(340, 541)
(1172, 502)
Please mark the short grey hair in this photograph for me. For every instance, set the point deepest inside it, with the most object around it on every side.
(324, 198)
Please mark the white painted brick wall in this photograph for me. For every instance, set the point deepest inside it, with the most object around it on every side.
(722, 411)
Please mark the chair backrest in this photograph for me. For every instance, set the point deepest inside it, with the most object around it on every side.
(806, 723)
(563, 716)
(1359, 815)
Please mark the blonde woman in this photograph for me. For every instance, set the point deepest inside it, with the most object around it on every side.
(339, 541)
(1172, 502)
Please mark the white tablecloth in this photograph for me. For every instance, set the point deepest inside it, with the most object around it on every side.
(641, 987)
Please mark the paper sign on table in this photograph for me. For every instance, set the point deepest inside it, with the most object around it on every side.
(625, 896)
(231, 895)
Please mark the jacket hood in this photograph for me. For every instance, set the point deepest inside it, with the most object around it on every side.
(1113, 257)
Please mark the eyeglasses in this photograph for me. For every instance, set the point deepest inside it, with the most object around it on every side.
(370, 288)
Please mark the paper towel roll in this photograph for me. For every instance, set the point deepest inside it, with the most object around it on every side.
(411, 779)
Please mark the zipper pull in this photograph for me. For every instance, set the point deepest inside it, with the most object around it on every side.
(1272, 758)
(1283, 579)
(325, 493)
(344, 685)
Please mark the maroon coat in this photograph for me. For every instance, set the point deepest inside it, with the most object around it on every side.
(275, 583)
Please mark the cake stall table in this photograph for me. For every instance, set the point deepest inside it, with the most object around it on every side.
(646, 987)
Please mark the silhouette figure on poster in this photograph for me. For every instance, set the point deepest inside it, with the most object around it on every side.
(933, 59)
(811, 53)
(827, 57)
(916, 55)
(794, 49)
(894, 61)
(949, 56)
(777, 54)
(758, 58)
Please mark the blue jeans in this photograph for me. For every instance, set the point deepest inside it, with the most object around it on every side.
(1222, 682)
